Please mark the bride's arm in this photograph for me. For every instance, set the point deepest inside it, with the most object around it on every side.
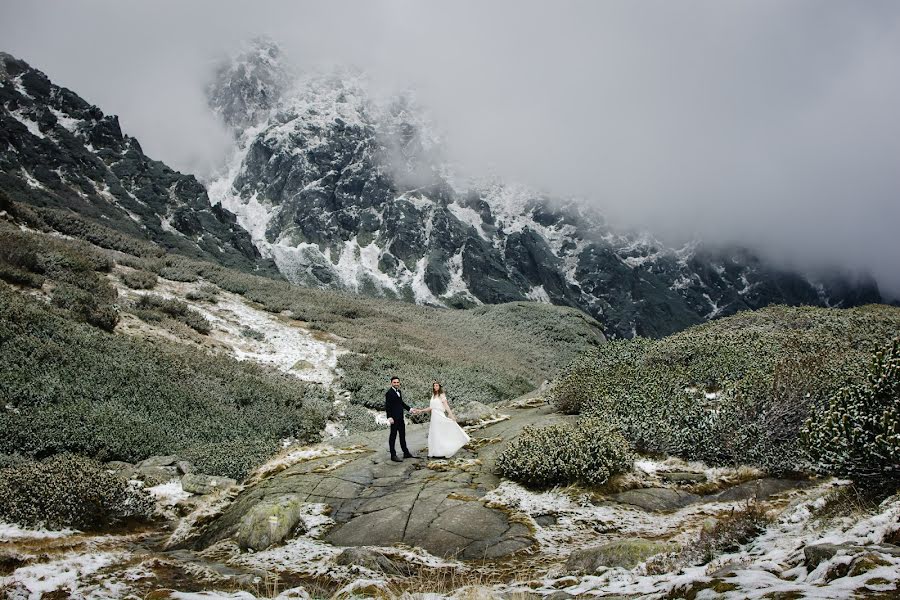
(447, 407)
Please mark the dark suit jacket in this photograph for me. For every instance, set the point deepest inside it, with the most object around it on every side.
(394, 405)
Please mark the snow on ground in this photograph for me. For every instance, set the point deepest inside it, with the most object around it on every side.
(10, 531)
(293, 456)
(285, 345)
(772, 563)
(66, 573)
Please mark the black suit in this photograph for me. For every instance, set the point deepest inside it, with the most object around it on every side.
(394, 407)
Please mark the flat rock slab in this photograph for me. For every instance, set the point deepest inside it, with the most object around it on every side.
(435, 505)
(657, 499)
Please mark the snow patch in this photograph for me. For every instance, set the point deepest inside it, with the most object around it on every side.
(538, 294)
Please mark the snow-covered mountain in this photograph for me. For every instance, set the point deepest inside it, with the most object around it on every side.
(63, 155)
(345, 188)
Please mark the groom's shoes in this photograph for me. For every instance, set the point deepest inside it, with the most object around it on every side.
(410, 456)
(395, 459)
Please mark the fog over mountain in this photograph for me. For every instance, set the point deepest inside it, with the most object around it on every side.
(765, 123)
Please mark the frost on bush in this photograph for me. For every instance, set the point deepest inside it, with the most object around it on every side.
(590, 451)
(358, 419)
(857, 432)
(69, 491)
(732, 391)
(150, 307)
(139, 280)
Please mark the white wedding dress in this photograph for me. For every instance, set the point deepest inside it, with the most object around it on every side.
(445, 437)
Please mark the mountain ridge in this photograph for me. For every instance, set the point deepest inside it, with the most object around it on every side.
(62, 153)
(344, 189)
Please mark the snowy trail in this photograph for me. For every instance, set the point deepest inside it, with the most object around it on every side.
(253, 334)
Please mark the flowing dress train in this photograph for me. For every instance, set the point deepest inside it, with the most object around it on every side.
(445, 436)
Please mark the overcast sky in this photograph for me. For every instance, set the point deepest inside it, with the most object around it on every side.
(770, 123)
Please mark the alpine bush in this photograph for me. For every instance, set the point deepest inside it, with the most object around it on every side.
(139, 280)
(151, 307)
(857, 432)
(589, 451)
(70, 388)
(69, 491)
(732, 391)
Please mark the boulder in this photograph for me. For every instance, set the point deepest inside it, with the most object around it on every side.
(158, 461)
(626, 554)
(369, 559)
(682, 477)
(818, 553)
(270, 522)
(120, 468)
(815, 554)
(758, 489)
(184, 467)
(197, 483)
(657, 499)
(472, 412)
(152, 475)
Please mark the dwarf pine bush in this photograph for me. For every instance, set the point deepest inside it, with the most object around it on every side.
(67, 387)
(735, 390)
(69, 491)
(139, 280)
(857, 432)
(589, 451)
(151, 307)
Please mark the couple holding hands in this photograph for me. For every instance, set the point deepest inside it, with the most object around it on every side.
(445, 436)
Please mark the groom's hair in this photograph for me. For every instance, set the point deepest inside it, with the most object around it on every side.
(393, 378)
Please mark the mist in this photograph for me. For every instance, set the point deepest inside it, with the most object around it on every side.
(765, 123)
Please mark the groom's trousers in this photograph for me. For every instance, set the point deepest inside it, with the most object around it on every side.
(398, 428)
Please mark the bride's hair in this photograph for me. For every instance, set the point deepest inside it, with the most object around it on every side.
(440, 388)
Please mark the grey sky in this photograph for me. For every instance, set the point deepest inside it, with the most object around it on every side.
(770, 123)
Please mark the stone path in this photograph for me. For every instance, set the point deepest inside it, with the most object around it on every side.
(434, 504)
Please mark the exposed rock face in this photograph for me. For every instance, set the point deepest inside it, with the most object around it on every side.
(58, 151)
(249, 85)
(197, 483)
(270, 522)
(375, 502)
(347, 191)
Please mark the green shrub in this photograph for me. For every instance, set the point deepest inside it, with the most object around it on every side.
(590, 451)
(358, 419)
(30, 259)
(69, 491)
(731, 391)
(69, 223)
(178, 268)
(205, 293)
(70, 388)
(17, 276)
(151, 307)
(139, 280)
(252, 334)
(232, 458)
(857, 432)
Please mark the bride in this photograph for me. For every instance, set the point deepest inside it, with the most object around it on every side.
(445, 436)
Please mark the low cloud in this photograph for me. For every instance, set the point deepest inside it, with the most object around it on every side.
(767, 123)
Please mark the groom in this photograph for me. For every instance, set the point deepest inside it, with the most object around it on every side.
(394, 407)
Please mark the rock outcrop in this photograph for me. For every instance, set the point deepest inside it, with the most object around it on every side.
(436, 505)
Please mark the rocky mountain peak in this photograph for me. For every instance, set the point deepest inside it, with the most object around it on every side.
(348, 189)
(247, 86)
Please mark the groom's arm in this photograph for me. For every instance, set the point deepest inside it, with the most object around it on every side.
(387, 406)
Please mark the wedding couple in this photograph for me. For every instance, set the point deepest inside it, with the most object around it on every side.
(445, 436)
